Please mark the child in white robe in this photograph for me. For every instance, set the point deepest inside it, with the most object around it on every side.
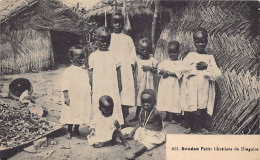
(104, 129)
(123, 48)
(105, 75)
(169, 89)
(199, 84)
(77, 93)
(146, 68)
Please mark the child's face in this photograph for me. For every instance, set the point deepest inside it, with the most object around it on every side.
(104, 42)
(143, 50)
(78, 57)
(147, 102)
(117, 24)
(106, 111)
(173, 51)
(200, 41)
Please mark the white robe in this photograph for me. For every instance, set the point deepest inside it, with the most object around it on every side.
(199, 91)
(122, 46)
(76, 81)
(105, 81)
(144, 79)
(169, 89)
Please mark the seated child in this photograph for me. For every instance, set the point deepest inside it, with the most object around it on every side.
(76, 90)
(26, 97)
(146, 68)
(149, 131)
(105, 129)
(169, 90)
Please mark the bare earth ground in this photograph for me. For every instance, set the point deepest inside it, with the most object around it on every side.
(47, 90)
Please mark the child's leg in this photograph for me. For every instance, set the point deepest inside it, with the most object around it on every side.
(76, 130)
(69, 136)
(175, 118)
(196, 123)
(203, 121)
(188, 122)
(125, 111)
(140, 150)
(118, 133)
(168, 116)
(136, 118)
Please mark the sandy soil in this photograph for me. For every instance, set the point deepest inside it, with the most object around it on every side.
(47, 90)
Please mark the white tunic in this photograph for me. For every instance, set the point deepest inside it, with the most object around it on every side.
(76, 81)
(199, 91)
(169, 89)
(105, 81)
(104, 128)
(123, 48)
(144, 79)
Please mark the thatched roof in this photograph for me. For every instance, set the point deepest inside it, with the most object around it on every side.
(134, 7)
(41, 14)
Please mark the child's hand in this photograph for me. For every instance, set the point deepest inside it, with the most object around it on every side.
(201, 66)
(166, 74)
(127, 146)
(145, 68)
(129, 136)
(92, 131)
(116, 123)
(67, 101)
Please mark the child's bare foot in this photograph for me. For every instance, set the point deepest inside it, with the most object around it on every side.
(129, 155)
(98, 145)
(68, 135)
(173, 122)
(127, 146)
(204, 131)
(187, 131)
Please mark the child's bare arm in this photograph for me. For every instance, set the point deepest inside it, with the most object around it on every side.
(90, 77)
(66, 97)
(119, 78)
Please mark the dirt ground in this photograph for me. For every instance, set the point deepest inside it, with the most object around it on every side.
(47, 90)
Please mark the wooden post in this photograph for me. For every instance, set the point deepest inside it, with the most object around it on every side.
(155, 15)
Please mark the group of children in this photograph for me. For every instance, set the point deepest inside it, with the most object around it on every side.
(102, 95)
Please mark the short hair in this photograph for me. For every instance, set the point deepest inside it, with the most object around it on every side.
(176, 43)
(104, 30)
(151, 92)
(106, 98)
(71, 50)
(200, 29)
(118, 14)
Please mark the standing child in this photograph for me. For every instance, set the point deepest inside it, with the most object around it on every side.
(149, 131)
(105, 129)
(122, 46)
(199, 83)
(146, 68)
(76, 91)
(169, 90)
(105, 75)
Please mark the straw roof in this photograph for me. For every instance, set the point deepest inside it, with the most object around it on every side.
(134, 7)
(41, 14)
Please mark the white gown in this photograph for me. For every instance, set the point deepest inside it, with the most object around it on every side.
(105, 82)
(76, 81)
(169, 89)
(144, 79)
(198, 90)
(122, 46)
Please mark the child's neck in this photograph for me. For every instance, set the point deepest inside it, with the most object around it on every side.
(201, 51)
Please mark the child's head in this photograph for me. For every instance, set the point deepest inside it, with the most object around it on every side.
(148, 99)
(118, 22)
(103, 37)
(144, 48)
(106, 105)
(173, 49)
(200, 38)
(76, 55)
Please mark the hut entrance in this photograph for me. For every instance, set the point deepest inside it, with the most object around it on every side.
(61, 42)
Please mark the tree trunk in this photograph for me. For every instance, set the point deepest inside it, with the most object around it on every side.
(155, 15)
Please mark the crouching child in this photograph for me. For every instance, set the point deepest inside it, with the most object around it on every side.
(149, 131)
(104, 130)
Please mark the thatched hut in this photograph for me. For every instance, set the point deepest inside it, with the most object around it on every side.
(36, 34)
(234, 41)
